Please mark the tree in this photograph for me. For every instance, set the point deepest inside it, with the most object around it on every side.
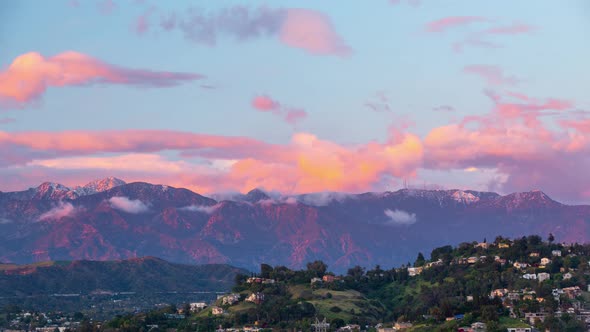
(419, 260)
(551, 238)
(317, 268)
(265, 270)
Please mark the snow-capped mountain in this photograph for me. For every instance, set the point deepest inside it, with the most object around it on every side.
(108, 219)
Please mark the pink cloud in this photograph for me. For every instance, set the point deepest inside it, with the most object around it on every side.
(493, 75)
(306, 29)
(480, 39)
(446, 23)
(133, 206)
(293, 116)
(30, 74)
(513, 29)
(265, 103)
(313, 32)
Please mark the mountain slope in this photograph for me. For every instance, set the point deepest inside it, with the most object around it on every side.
(388, 228)
(141, 275)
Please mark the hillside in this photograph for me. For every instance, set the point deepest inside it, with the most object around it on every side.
(505, 283)
(140, 275)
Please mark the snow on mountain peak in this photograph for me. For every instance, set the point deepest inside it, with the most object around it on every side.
(101, 185)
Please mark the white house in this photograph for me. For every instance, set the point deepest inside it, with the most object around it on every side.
(530, 276)
(567, 276)
(198, 306)
(543, 276)
(545, 261)
(556, 253)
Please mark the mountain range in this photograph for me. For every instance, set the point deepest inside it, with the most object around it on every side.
(110, 219)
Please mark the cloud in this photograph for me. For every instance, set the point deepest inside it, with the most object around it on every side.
(414, 3)
(493, 75)
(305, 29)
(62, 210)
(399, 217)
(207, 209)
(313, 32)
(481, 38)
(264, 103)
(324, 198)
(125, 204)
(5, 221)
(379, 103)
(446, 23)
(31, 74)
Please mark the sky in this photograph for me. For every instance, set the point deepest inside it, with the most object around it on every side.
(298, 96)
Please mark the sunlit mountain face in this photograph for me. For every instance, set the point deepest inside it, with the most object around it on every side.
(54, 222)
(257, 131)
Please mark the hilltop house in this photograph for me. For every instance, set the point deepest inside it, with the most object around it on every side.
(545, 261)
(217, 310)
(198, 306)
(556, 253)
(230, 299)
(503, 245)
(567, 276)
(256, 298)
(414, 271)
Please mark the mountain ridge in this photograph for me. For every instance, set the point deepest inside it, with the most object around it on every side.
(179, 225)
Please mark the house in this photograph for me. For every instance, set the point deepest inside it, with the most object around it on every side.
(217, 311)
(483, 245)
(500, 292)
(532, 317)
(514, 296)
(198, 306)
(519, 329)
(572, 292)
(385, 329)
(469, 298)
(400, 326)
(435, 263)
(230, 299)
(534, 254)
(257, 280)
(479, 326)
(256, 298)
(530, 276)
(330, 278)
(472, 260)
(315, 280)
(545, 261)
(414, 271)
(350, 327)
(503, 245)
(556, 253)
(520, 265)
(567, 276)
(543, 276)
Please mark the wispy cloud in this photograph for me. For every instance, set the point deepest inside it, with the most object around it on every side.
(264, 103)
(31, 74)
(133, 206)
(493, 75)
(62, 210)
(207, 209)
(450, 22)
